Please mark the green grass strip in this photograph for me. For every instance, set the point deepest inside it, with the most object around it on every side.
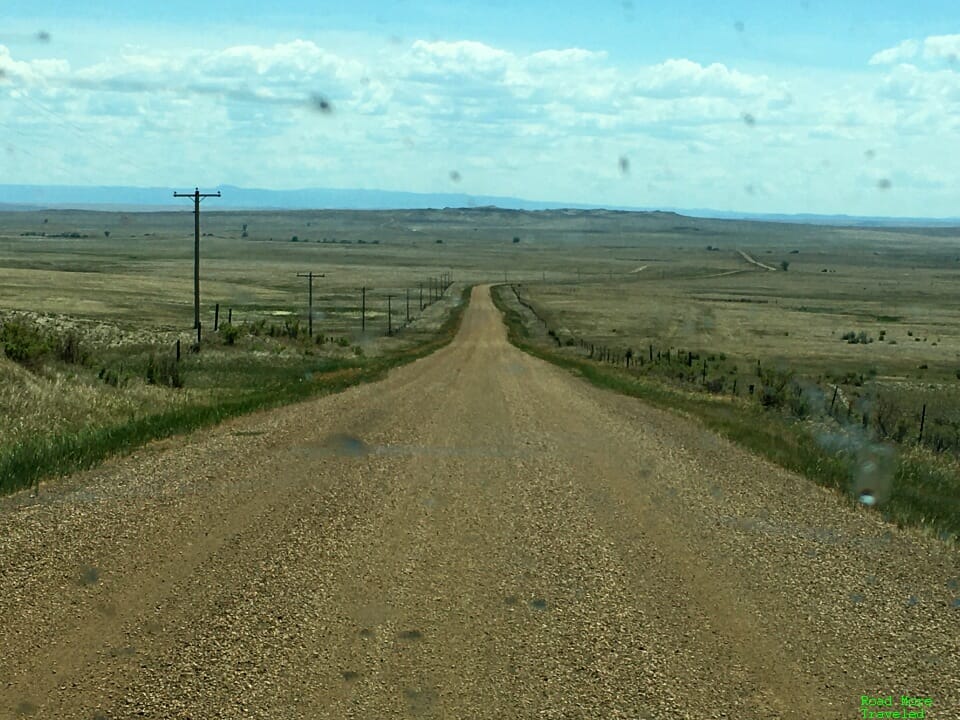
(26, 463)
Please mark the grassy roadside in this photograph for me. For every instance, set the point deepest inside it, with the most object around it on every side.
(925, 492)
(37, 457)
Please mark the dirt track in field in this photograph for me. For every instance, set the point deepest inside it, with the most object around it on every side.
(479, 535)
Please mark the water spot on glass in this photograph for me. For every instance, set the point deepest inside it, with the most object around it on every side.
(321, 103)
(884, 183)
(43, 36)
(749, 190)
(871, 579)
(857, 597)
(748, 119)
(455, 176)
(869, 154)
(624, 165)
(739, 26)
(912, 600)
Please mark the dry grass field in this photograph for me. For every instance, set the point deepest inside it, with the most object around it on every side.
(123, 283)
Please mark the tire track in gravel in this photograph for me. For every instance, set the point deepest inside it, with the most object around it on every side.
(187, 528)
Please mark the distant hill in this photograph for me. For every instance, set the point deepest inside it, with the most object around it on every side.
(32, 197)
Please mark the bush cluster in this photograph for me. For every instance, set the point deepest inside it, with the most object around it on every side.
(23, 343)
(854, 337)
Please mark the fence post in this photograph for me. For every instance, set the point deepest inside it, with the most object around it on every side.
(734, 386)
(923, 417)
(178, 349)
(704, 378)
(651, 353)
(216, 317)
(230, 316)
(836, 388)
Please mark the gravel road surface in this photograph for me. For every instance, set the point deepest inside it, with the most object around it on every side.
(479, 535)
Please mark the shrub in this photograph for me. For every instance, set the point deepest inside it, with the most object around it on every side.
(357, 350)
(571, 342)
(22, 343)
(516, 239)
(109, 376)
(343, 342)
(164, 370)
(715, 386)
(784, 264)
(439, 241)
(256, 328)
(295, 239)
(229, 333)
(69, 349)
(291, 328)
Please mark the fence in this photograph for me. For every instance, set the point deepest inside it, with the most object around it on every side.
(773, 388)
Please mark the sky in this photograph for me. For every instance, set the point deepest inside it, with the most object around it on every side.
(806, 106)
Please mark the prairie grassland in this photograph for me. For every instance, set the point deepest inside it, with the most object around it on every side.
(897, 288)
(881, 325)
(124, 283)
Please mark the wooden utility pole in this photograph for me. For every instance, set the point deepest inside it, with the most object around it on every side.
(363, 309)
(197, 197)
(389, 316)
(309, 277)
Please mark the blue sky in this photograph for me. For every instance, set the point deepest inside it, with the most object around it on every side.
(806, 106)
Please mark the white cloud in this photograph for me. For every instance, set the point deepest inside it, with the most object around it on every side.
(556, 120)
(906, 50)
(31, 72)
(933, 50)
(942, 48)
(678, 78)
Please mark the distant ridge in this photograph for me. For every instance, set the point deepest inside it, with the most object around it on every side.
(133, 199)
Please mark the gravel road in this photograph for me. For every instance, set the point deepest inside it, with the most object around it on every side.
(479, 535)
